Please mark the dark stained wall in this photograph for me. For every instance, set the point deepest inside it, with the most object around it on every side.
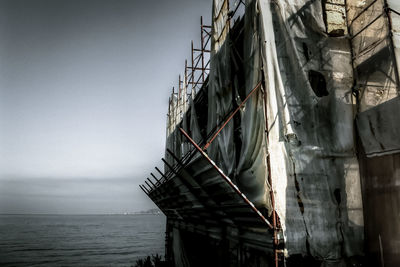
(381, 192)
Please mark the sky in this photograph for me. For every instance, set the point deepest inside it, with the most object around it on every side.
(84, 88)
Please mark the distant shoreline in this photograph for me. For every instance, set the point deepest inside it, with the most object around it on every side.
(145, 212)
(79, 214)
(76, 214)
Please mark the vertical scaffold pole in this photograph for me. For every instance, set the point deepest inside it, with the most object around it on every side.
(186, 76)
(192, 76)
(274, 215)
(202, 49)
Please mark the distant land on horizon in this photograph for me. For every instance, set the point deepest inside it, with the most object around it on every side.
(150, 211)
(142, 212)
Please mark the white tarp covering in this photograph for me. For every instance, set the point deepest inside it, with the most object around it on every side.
(313, 164)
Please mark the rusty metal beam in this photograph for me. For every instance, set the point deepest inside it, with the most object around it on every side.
(271, 192)
(231, 116)
(228, 180)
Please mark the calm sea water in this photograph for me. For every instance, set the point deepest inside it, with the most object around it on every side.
(79, 240)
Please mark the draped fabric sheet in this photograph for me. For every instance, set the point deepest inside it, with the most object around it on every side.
(301, 117)
(222, 149)
(310, 117)
(314, 170)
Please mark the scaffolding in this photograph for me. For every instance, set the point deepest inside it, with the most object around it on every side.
(375, 69)
(195, 79)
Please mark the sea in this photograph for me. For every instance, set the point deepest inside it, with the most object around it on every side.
(80, 240)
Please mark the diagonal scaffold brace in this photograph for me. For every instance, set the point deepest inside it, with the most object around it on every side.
(228, 180)
(231, 116)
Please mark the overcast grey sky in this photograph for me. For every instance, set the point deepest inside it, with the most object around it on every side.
(84, 88)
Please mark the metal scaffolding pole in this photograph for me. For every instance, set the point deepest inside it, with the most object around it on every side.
(228, 180)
